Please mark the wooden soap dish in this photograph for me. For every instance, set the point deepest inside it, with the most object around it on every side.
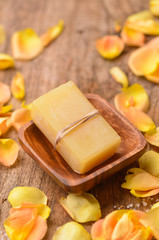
(132, 146)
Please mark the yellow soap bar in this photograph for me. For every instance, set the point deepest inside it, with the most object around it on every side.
(84, 147)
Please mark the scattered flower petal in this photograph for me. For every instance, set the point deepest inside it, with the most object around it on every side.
(132, 37)
(141, 183)
(149, 162)
(20, 117)
(5, 93)
(153, 137)
(39, 229)
(71, 231)
(52, 33)
(18, 86)
(154, 7)
(26, 194)
(143, 22)
(153, 77)
(6, 61)
(140, 119)
(5, 124)
(9, 150)
(110, 46)
(133, 96)
(26, 44)
(28, 106)
(2, 34)
(155, 205)
(5, 109)
(119, 76)
(82, 208)
(144, 61)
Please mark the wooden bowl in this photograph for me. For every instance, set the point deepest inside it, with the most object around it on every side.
(132, 146)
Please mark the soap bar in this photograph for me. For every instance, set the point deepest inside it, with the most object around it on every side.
(86, 146)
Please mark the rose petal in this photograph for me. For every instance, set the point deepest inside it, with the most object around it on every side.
(133, 96)
(153, 137)
(148, 193)
(26, 44)
(119, 76)
(110, 46)
(28, 106)
(155, 205)
(6, 61)
(143, 61)
(71, 231)
(82, 208)
(5, 109)
(97, 230)
(5, 93)
(52, 33)
(140, 181)
(26, 194)
(5, 124)
(154, 7)
(140, 119)
(18, 86)
(132, 37)
(153, 77)
(20, 117)
(143, 22)
(149, 162)
(42, 210)
(39, 229)
(153, 43)
(2, 34)
(9, 150)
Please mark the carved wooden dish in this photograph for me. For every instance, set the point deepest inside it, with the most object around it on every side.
(133, 145)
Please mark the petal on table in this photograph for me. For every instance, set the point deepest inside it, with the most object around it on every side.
(154, 7)
(82, 208)
(9, 150)
(153, 77)
(5, 109)
(39, 229)
(6, 61)
(20, 222)
(2, 34)
(26, 44)
(18, 86)
(27, 106)
(153, 137)
(5, 124)
(133, 96)
(154, 42)
(52, 33)
(140, 119)
(42, 209)
(5, 93)
(155, 205)
(110, 46)
(71, 231)
(149, 162)
(143, 22)
(20, 117)
(148, 193)
(119, 76)
(132, 37)
(144, 61)
(26, 194)
(97, 230)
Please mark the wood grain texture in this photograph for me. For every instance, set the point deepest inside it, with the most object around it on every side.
(71, 57)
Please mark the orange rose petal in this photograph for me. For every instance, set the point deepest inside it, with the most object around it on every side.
(132, 37)
(143, 22)
(119, 76)
(52, 33)
(39, 229)
(133, 96)
(153, 77)
(153, 137)
(97, 230)
(140, 119)
(26, 44)
(6, 61)
(9, 150)
(20, 117)
(18, 86)
(5, 124)
(154, 7)
(5, 93)
(110, 46)
(2, 34)
(143, 61)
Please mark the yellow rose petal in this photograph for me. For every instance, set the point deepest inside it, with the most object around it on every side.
(5, 93)
(2, 34)
(9, 150)
(27, 106)
(133, 96)
(154, 7)
(82, 208)
(6, 61)
(132, 37)
(153, 137)
(5, 109)
(26, 194)
(119, 76)
(153, 77)
(110, 46)
(18, 86)
(26, 44)
(20, 117)
(52, 33)
(155, 205)
(5, 124)
(71, 231)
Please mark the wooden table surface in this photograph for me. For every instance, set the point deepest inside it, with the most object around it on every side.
(72, 56)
